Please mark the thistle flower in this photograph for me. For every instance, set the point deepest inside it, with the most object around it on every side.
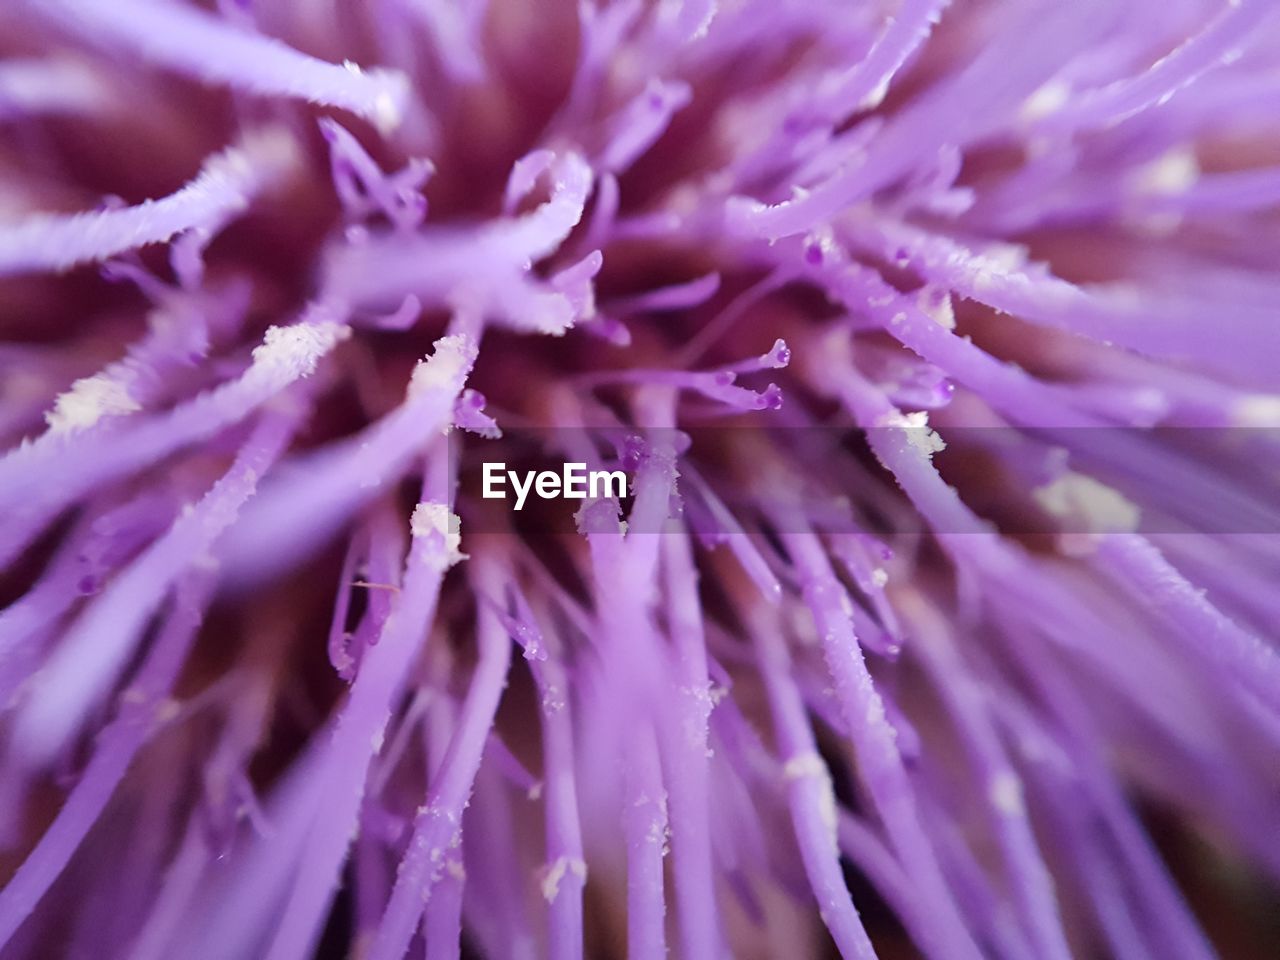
(937, 341)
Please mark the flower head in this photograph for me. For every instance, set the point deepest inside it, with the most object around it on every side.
(935, 343)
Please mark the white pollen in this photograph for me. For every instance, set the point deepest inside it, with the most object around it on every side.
(802, 765)
(1258, 410)
(1005, 793)
(556, 872)
(1049, 99)
(88, 400)
(937, 306)
(295, 350)
(916, 425)
(444, 368)
(436, 518)
(1087, 504)
(1175, 172)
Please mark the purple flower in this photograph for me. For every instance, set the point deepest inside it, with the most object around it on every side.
(937, 345)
